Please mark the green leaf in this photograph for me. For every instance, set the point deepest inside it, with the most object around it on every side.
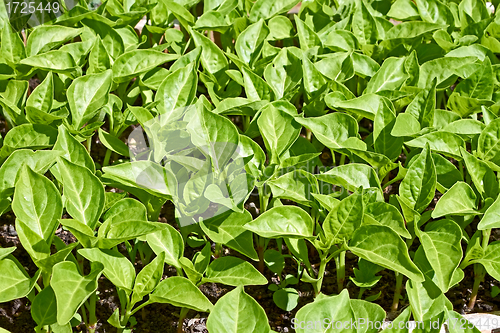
(113, 143)
(419, 185)
(237, 312)
(228, 229)
(148, 278)
(46, 37)
(83, 192)
(44, 308)
(72, 150)
(71, 288)
(233, 271)
(441, 243)
(117, 268)
(86, 95)
(364, 26)
(351, 176)
(56, 61)
(212, 57)
(491, 218)
(385, 214)
(489, 142)
(422, 106)
(383, 246)
(216, 135)
(344, 219)
(482, 176)
(279, 130)
(283, 221)
(133, 63)
(331, 129)
(37, 203)
(34, 136)
(249, 43)
(295, 185)
(335, 308)
(181, 292)
(390, 76)
(447, 143)
(146, 175)
(263, 9)
(426, 299)
(14, 281)
(491, 259)
(177, 90)
(168, 241)
(42, 97)
(459, 200)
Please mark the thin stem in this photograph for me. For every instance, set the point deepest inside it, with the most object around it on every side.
(89, 144)
(106, 158)
(309, 134)
(479, 274)
(462, 170)
(321, 273)
(361, 291)
(182, 316)
(342, 160)
(340, 263)
(140, 307)
(218, 250)
(397, 292)
(91, 305)
(261, 248)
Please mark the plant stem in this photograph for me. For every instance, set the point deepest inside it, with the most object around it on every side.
(261, 247)
(462, 170)
(397, 292)
(106, 158)
(479, 272)
(91, 305)
(218, 250)
(89, 144)
(361, 291)
(340, 263)
(342, 160)
(321, 273)
(182, 316)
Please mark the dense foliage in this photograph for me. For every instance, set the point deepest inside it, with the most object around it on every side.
(360, 126)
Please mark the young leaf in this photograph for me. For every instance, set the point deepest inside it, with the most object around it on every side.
(181, 292)
(419, 184)
(344, 219)
(233, 271)
(37, 203)
(237, 312)
(86, 95)
(441, 243)
(117, 268)
(384, 247)
(168, 241)
(83, 192)
(459, 200)
(71, 288)
(283, 221)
